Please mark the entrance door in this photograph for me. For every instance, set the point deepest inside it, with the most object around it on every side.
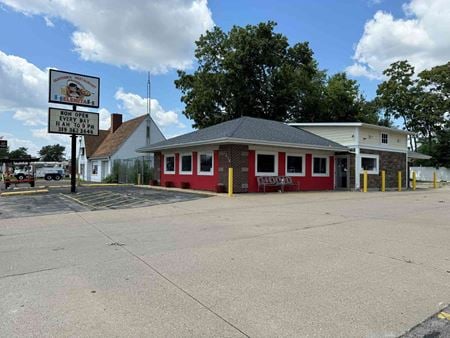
(342, 172)
(104, 169)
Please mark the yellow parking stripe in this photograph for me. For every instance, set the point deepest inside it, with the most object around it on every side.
(444, 315)
(30, 192)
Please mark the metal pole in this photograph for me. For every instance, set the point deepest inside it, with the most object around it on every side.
(365, 181)
(73, 169)
(230, 182)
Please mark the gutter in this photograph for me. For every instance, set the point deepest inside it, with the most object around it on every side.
(227, 140)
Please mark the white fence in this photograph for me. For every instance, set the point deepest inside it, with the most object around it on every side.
(426, 173)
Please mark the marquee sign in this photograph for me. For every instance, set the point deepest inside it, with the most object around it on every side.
(73, 89)
(73, 122)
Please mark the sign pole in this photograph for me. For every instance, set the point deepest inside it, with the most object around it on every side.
(73, 169)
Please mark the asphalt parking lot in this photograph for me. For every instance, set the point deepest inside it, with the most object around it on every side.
(59, 200)
(262, 265)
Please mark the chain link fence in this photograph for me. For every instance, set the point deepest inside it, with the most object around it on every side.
(138, 170)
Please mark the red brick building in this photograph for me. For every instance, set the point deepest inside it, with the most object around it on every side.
(252, 147)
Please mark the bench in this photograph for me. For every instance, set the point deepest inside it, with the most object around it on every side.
(276, 181)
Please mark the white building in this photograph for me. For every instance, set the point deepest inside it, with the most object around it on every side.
(372, 148)
(98, 153)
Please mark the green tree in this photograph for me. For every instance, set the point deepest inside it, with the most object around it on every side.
(397, 95)
(52, 153)
(251, 71)
(439, 149)
(342, 99)
(370, 113)
(20, 152)
(433, 101)
(422, 102)
(4, 153)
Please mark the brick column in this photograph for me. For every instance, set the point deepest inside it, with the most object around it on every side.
(235, 156)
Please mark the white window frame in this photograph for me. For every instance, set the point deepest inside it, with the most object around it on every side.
(327, 158)
(303, 164)
(387, 138)
(181, 164)
(370, 172)
(205, 173)
(275, 154)
(165, 164)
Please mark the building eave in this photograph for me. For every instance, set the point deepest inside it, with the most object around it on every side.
(351, 124)
(229, 140)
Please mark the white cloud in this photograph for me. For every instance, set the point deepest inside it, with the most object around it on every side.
(48, 22)
(15, 142)
(421, 38)
(104, 118)
(31, 116)
(23, 84)
(145, 35)
(137, 105)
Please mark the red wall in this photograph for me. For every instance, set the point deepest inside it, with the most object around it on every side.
(197, 182)
(307, 182)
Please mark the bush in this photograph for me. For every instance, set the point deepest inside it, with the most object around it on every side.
(169, 184)
(185, 185)
(110, 179)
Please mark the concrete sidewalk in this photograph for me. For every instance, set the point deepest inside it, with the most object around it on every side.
(301, 264)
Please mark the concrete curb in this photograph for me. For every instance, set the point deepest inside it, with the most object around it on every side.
(106, 185)
(198, 192)
(28, 192)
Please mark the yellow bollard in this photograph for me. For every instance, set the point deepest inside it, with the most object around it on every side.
(434, 180)
(414, 180)
(230, 182)
(383, 180)
(399, 177)
(365, 181)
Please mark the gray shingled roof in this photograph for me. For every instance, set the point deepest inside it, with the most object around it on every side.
(248, 130)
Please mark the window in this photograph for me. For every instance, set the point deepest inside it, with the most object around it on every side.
(370, 163)
(205, 163)
(186, 164)
(384, 138)
(169, 164)
(82, 169)
(94, 169)
(294, 165)
(320, 166)
(266, 164)
(82, 151)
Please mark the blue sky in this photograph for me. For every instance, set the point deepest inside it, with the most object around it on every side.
(118, 42)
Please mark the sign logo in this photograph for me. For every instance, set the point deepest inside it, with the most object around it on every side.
(74, 89)
(61, 121)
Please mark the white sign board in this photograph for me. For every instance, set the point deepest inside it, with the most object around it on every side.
(61, 121)
(74, 89)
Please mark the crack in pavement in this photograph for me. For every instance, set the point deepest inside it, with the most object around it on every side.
(160, 274)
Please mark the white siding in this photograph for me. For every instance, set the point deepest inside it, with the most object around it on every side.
(341, 135)
(137, 140)
(82, 159)
(372, 137)
(126, 151)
